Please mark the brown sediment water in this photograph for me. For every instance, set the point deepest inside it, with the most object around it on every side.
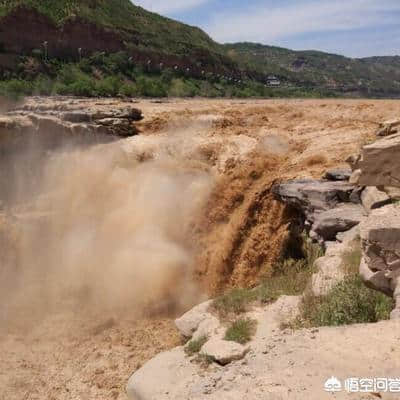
(101, 246)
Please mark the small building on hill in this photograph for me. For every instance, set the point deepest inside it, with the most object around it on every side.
(273, 81)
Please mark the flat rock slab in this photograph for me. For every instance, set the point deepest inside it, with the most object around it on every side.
(223, 351)
(311, 195)
(329, 223)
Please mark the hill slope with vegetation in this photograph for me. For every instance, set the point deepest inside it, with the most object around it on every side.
(112, 47)
(376, 76)
(134, 23)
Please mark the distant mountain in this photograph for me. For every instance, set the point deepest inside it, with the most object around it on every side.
(69, 30)
(379, 76)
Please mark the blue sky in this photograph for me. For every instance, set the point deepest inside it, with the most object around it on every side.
(355, 28)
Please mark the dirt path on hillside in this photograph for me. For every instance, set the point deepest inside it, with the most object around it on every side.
(242, 146)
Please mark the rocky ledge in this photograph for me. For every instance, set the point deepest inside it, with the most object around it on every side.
(67, 120)
(328, 207)
(365, 199)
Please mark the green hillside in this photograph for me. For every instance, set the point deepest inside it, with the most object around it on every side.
(129, 45)
(150, 29)
(375, 75)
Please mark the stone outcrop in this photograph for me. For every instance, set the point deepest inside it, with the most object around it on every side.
(65, 123)
(310, 195)
(224, 352)
(175, 375)
(379, 163)
(389, 128)
(280, 364)
(380, 266)
(372, 198)
(328, 207)
(189, 322)
(328, 224)
(339, 174)
(168, 370)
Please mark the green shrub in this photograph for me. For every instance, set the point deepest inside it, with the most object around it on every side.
(234, 302)
(109, 86)
(150, 87)
(290, 277)
(352, 260)
(43, 86)
(181, 88)
(204, 360)
(291, 280)
(349, 302)
(194, 346)
(208, 90)
(129, 90)
(241, 331)
(60, 88)
(68, 74)
(16, 88)
(82, 87)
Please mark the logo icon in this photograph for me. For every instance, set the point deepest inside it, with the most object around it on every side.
(333, 385)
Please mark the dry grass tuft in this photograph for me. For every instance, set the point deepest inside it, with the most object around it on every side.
(241, 331)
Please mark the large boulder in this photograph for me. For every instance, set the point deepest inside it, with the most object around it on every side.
(167, 372)
(189, 322)
(310, 195)
(372, 198)
(379, 163)
(329, 223)
(380, 266)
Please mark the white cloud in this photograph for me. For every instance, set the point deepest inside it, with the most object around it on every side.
(263, 23)
(169, 6)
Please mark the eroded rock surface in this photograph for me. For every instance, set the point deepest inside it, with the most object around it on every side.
(380, 163)
(372, 198)
(328, 207)
(329, 223)
(279, 365)
(388, 127)
(224, 352)
(312, 195)
(380, 266)
(63, 121)
(188, 323)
